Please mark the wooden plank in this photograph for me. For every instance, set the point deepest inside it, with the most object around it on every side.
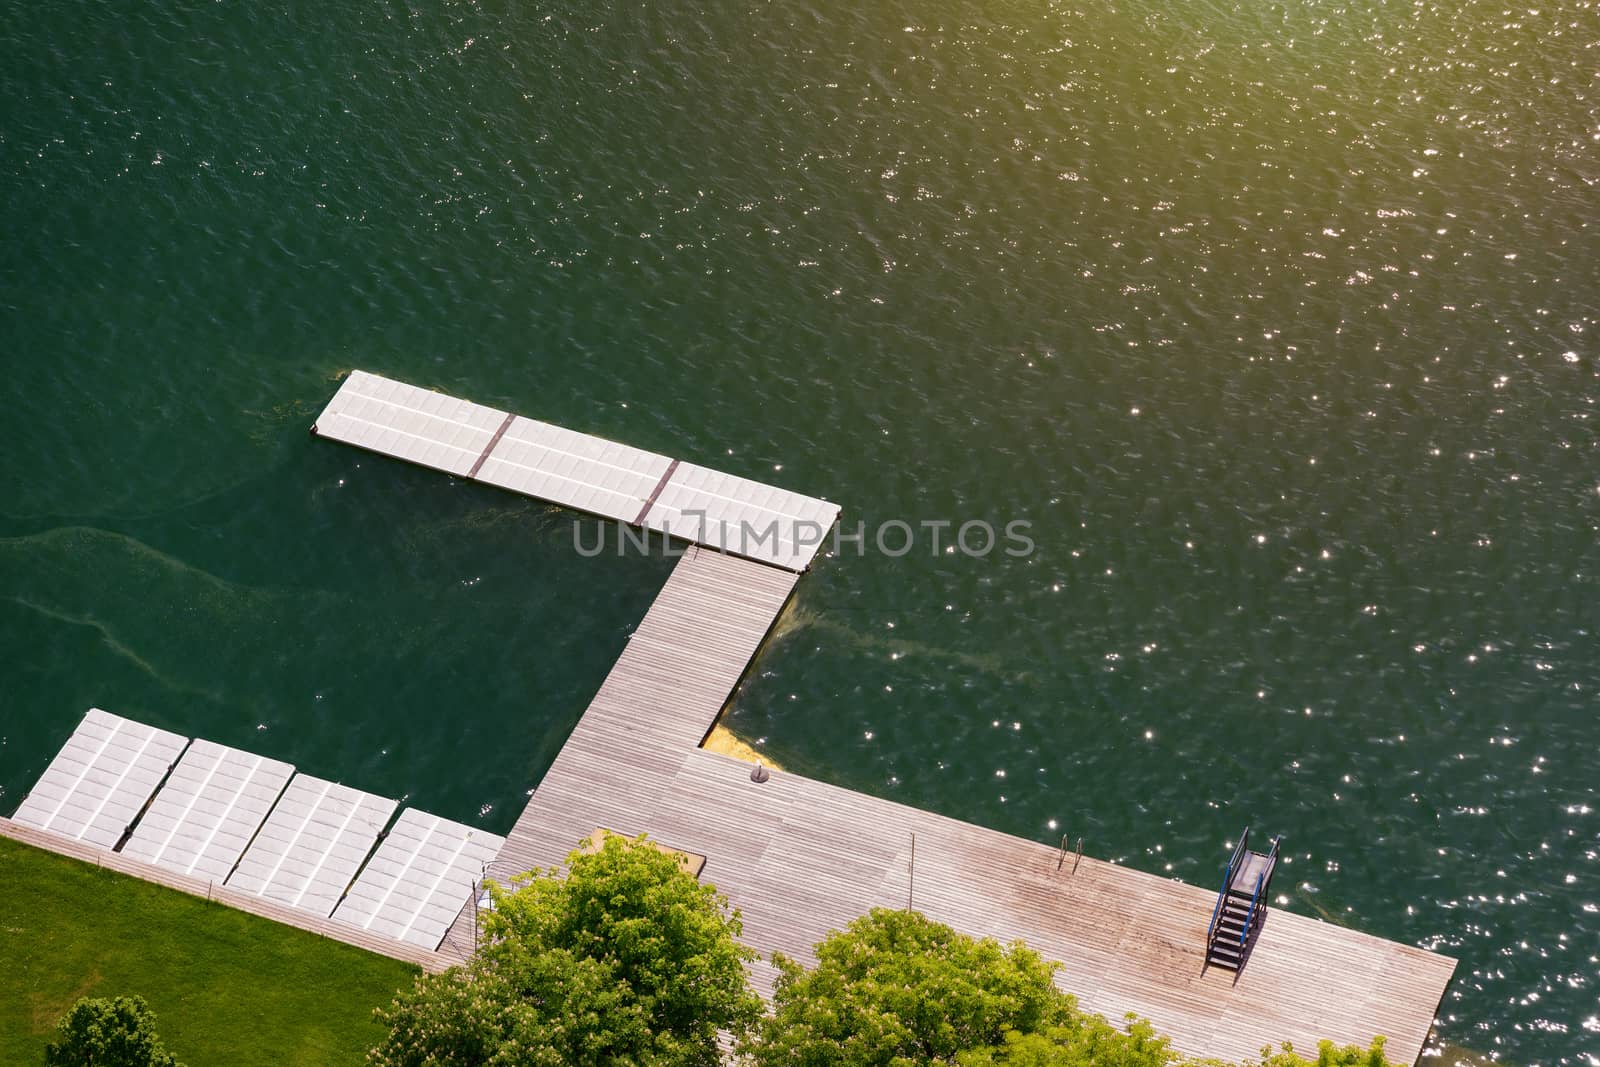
(574, 469)
(740, 516)
(400, 420)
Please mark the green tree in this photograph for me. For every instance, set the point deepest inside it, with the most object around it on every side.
(1080, 1039)
(108, 1032)
(1084, 1040)
(895, 988)
(1328, 1055)
(624, 960)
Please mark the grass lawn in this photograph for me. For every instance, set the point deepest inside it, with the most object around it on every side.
(227, 988)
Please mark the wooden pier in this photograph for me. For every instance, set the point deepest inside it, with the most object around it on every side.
(798, 857)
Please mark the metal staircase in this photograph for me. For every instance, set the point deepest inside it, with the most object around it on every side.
(1241, 903)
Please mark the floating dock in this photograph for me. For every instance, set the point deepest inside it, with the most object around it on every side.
(101, 778)
(798, 857)
(248, 831)
(577, 470)
(209, 810)
(308, 851)
(410, 889)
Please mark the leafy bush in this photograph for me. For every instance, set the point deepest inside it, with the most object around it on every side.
(625, 959)
(1089, 1041)
(1079, 1040)
(108, 1032)
(895, 988)
(1328, 1055)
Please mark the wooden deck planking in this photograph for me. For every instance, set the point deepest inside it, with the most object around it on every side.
(1133, 943)
(666, 689)
(737, 515)
(601, 477)
(680, 813)
(413, 424)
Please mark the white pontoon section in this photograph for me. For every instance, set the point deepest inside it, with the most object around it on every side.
(101, 779)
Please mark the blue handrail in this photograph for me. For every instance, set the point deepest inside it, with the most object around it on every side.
(1227, 876)
(1227, 880)
(1248, 919)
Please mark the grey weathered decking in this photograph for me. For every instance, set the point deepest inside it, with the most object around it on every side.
(800, 857)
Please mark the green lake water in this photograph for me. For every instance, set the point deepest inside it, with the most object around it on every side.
(1277, 321)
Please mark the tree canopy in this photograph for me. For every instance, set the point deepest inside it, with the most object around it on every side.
(1328, 1055)
(624, 959)
(108, 1032)
(895, 988)
(1078, 1039)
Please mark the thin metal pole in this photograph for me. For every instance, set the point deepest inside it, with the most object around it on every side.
(911, 887)
(1079, 857)
(483, 874)
(1063, 857)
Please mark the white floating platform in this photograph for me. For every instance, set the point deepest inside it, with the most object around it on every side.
(401, 420)
(574, 469)
(208, 810)
(577, 470)
(420, 878)
(312, 844)
(100, 780)
(741, 517)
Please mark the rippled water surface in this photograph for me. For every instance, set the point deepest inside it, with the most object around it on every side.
(1276, 320)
